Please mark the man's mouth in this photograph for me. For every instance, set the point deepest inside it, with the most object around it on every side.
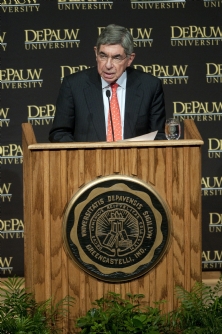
(108, 74)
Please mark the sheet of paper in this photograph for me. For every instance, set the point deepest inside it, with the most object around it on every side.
(147, 136)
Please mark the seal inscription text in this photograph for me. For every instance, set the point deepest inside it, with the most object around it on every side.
(116, 228)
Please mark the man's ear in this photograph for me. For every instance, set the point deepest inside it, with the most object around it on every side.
(130, 59)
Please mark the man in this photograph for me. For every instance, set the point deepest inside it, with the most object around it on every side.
(84, 105)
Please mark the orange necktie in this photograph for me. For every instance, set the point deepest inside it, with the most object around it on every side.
(114, 106)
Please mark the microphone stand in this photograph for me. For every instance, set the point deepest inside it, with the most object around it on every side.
(110, 114)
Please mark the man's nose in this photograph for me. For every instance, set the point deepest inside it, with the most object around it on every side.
(109, 63)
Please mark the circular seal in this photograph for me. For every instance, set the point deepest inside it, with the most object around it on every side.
(116, 228)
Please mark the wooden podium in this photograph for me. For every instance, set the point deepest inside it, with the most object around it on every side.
(53, 173)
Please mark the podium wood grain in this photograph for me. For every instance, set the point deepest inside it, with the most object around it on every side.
(53, 173)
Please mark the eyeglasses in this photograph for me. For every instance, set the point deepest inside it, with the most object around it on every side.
(114, 59)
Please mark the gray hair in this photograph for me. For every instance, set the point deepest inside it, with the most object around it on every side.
(114, 34)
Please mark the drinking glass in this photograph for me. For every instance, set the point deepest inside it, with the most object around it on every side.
(172, 129)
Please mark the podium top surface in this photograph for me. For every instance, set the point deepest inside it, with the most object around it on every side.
(98, 145)
(191, 135)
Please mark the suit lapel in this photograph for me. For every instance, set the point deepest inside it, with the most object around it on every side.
(132, 104)
(94, 100)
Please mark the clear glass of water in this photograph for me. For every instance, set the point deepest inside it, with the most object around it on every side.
(172, 129)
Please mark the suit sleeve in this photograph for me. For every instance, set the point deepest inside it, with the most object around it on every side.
(64, 120)
(157, 113)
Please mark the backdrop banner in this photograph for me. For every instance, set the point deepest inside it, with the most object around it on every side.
(42, 41)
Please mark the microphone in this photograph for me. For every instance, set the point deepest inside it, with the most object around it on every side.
(110, 114)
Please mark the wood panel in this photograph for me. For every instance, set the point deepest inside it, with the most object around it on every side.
(54, 173)
(28, 137)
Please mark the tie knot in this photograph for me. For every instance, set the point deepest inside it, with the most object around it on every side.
(114, 86)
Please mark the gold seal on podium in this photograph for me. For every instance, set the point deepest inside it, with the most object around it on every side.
(116, 228)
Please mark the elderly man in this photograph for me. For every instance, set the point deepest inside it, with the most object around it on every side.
(111, 101)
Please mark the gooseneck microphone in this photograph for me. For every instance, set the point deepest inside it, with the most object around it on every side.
(110, 114)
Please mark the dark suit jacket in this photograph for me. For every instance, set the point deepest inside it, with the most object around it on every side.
(80, 111)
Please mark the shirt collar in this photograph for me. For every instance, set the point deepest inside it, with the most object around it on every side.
(121, 81)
